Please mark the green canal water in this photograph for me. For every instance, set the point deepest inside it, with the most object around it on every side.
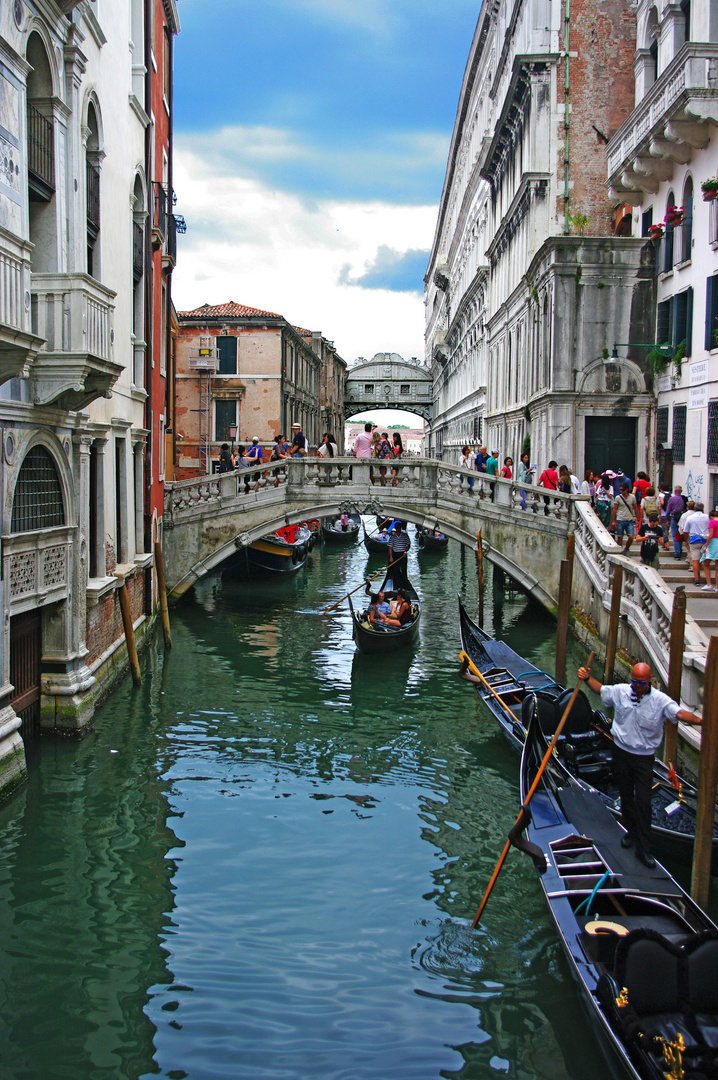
(264, 862)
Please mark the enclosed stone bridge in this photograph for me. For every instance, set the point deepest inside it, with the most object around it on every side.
(389, 382)
(206, 520)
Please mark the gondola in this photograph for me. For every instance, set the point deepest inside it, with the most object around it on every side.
(334, 534)
(373, 638)
(585, 746)
(377, 545)
(429, 541)
(281, 552)
(643, 954)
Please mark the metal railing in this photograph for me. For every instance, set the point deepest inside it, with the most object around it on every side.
(159, 210)
(92, 180)
(40, 146)
(138, 252)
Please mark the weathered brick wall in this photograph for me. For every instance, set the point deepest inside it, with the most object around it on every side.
(602, 42)
(104, 620)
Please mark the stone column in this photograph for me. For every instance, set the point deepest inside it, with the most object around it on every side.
(99, 509)
(138, 449)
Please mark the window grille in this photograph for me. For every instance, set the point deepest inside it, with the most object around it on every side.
(369, 388)
(37, 503)
(405, 388)
(662, 425)
(712, 458)
(679, 432)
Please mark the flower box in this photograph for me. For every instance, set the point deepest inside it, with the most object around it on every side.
(709, 189)
(655, 232)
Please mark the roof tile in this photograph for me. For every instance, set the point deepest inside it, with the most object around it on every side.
(230, 310)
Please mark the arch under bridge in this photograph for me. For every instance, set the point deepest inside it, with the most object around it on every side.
(388, 382)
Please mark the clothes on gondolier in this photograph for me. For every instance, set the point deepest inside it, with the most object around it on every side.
(638, 722)
(399, 542)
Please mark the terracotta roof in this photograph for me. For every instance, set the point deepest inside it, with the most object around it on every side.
(227, 311)
(303, 333)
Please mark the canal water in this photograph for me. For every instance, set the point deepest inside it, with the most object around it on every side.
(264, 862)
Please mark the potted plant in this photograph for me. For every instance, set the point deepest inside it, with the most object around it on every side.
(674, 216)
(710, 189)
(655, 232)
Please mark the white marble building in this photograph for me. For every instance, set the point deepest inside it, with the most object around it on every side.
(529, 281)
(659, 158)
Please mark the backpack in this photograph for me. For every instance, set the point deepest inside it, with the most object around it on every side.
(650, 505)
(649, 550)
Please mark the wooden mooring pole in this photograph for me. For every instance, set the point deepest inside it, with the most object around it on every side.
(707, 778)
(164, 612)
(129, 634)
(613, 624)
(675, 668)
(564, 606)
(480, 563)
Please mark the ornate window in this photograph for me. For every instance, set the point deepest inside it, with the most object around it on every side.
(37, 503)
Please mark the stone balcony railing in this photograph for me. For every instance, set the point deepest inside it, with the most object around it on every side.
(667, 125)
(18, 345)
(74, 314)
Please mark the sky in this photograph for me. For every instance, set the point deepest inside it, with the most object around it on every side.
(311, 141)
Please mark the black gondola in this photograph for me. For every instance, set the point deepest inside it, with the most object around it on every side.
(585, 746)
(429, 541)
(378, 638)
(643, 954)
(376, 545)
(335, 534)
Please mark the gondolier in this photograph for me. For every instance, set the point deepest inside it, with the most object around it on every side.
(639, 711)
(399, 544)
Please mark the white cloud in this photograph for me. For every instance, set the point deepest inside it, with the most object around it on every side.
(273, 250)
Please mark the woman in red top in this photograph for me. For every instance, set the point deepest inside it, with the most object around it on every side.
(640, 488)
(506, 471)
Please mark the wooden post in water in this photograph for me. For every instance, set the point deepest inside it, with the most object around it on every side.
(129, 634)
(564, 606)
(707, 777)
(571, 550)
(675, 668)
(480, 562)
(160, 564)
(613, 624)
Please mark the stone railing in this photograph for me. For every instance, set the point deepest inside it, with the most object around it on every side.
(73, 312)
(646, 602)
(424, 476)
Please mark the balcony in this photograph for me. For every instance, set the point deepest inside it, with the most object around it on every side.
(18, 345)
(74, 314)
(40, 155)
(672, 121)
(159, 215)
(674, 249)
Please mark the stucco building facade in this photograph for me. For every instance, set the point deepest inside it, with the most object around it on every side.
(242, 372)
(530, 281)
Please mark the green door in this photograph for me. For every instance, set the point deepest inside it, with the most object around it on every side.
(611, 444)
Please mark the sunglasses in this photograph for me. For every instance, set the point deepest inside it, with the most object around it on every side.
(640, 682)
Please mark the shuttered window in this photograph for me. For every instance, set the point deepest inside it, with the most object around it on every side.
(712, 458)
(227, 355)
(662, 425)
(712, 312)
(679, 432)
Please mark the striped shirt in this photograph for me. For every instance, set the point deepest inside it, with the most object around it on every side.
(399, 542)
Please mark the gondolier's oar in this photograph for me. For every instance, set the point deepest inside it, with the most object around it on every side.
(547, 757)
(475, 671)
(361, 586)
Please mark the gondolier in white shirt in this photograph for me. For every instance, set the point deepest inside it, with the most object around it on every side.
(639, 711)
(399, 544)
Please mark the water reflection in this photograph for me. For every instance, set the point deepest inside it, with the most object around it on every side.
(275, 874)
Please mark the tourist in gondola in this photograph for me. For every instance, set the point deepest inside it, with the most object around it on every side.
(639, 712)
(401, 614)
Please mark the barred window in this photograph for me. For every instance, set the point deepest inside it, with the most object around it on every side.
(679, 432)
(712, 458)
(37, 503)
(662, 425)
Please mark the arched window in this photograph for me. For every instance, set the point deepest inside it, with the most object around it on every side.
(92, 192)
(37, 502)
(41, 158)
(669, 239)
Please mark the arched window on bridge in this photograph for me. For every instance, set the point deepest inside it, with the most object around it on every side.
(37, 503)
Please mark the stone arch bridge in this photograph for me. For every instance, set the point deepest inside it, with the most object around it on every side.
(387, 381)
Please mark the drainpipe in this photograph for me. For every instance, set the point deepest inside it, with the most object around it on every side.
(567, 114)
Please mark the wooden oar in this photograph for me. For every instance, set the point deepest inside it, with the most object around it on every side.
(475, 671)
(383, 570)
(529, 797)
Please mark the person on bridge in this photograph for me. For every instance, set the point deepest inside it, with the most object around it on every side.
(225, 459)
(625, 511)
(639, 711)
(399, 544)
(549, 479)
(362, 443)
(397, 450)
(299, 441)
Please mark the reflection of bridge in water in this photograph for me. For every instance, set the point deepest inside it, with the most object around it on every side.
(524, 532)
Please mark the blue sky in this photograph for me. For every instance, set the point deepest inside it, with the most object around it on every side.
(311, 143)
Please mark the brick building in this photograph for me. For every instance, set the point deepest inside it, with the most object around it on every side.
(530, 279)
(242, 372)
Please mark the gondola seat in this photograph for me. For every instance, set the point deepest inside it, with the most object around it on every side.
(671, 989)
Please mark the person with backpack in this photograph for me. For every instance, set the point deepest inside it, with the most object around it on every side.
(675, 508)
(225, 459)
(652, 534)
(625, 510)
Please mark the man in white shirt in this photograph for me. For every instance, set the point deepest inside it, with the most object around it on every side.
(362, 443)
(639, 711)
(696, 525)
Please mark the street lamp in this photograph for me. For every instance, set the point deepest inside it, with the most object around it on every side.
(233, 434)
(666, 350)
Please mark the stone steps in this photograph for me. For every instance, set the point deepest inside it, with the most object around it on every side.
(702, 606)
